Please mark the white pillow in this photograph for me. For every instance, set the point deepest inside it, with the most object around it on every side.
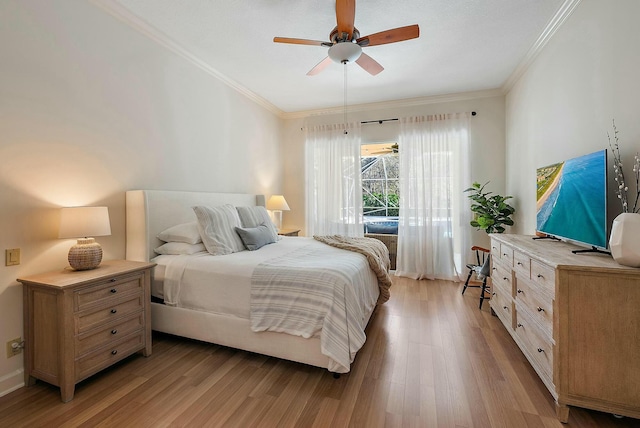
(185, 232)
(177, 248)
(255, 216)
(217, 229)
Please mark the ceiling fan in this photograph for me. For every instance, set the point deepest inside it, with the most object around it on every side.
(345, 44)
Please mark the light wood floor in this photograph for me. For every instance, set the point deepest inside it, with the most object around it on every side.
(432, 359)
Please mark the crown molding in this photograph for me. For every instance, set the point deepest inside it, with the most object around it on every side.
(563, 13)
(408, 102)
(124, 15)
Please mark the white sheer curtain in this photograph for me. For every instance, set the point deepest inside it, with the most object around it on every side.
(333, 183)
(433, 232)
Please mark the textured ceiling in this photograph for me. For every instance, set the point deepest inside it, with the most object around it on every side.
(464, 45)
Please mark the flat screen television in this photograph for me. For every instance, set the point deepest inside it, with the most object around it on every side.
(572, 200)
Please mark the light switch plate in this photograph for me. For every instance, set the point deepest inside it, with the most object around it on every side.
(12, 256)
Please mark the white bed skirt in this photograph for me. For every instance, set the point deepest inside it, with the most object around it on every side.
(236, 333)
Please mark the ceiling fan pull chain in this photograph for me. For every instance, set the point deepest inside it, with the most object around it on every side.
(345, 96)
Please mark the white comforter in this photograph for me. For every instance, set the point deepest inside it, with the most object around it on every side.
(319, 281)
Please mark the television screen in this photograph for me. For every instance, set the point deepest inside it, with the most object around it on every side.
(572, 199)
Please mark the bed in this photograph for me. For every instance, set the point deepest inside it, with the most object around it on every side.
(211, 298)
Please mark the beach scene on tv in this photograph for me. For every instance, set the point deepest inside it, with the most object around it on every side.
(571, 199)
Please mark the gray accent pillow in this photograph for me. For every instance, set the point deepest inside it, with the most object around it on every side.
(255, 237)
(255, 216)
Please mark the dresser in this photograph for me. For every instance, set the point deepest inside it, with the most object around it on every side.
(77, 323)
(576, 318)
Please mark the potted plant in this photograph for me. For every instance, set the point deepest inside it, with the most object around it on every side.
(491, 212)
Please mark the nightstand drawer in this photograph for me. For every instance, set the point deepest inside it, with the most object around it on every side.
(101, 294)
(98, 360)
(89, 320)
(95, 339)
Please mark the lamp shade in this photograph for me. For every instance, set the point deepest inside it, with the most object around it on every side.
(277, 203)
(77, 222)
(84, 223)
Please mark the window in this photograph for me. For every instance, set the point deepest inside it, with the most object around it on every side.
(379, 167)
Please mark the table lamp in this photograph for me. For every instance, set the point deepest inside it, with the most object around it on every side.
(277, 204)
(83, 223)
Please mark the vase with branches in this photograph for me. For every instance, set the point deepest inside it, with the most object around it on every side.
(622, 188)
(625, 229)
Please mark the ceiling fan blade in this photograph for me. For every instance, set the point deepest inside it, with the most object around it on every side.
(370, 65)
(299, 41)
(345, 16)
(390, 36)
(319, 67)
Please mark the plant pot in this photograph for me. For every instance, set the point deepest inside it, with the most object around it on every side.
(624, 241)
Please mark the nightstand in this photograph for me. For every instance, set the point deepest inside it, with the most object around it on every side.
(77, 323)
(288, 232)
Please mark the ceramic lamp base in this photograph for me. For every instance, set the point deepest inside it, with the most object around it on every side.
(85, 255)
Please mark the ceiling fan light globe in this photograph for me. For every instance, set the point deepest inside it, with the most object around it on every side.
(345, 52)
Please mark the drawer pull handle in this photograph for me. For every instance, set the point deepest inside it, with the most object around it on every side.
(493, 294)
(113, 291)
(114, 331)
(540, 309)
(504, 307)
(519, 325)
(540, 350)
(114, 352)
(504, 254)
(520, 264)
(519, 291)
(540, 276)
(112, 280)
(113, 311)
(505, 278)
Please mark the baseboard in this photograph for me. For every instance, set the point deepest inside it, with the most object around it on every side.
(11, 381)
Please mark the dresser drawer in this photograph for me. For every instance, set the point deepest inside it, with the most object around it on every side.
(96, 361)
(536, 346)
(92, 319)
(502, 306)
(113, 332)
(105, 292)
(537, 304)
(521, 264)
(544, 276)
(501, 278)
(506, 254)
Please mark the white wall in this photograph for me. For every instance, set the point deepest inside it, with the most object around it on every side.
(487, 145)
(90, 108)
(563, 106)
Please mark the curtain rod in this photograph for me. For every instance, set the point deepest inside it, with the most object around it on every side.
(364, 122)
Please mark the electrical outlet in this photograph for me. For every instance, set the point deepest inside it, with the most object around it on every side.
(12, 256)
(14, 347)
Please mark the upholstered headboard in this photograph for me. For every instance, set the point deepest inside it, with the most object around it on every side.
(149, 212)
